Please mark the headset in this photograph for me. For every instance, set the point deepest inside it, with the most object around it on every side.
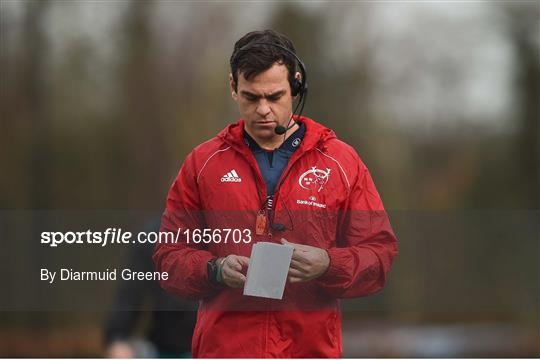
(299, 87)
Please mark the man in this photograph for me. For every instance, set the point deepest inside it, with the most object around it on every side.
(297, 184)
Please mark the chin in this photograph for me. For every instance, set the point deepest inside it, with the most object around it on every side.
(264, 133)
(265, 130)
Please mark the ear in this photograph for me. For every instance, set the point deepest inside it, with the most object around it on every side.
(232, 86)
(298, 76)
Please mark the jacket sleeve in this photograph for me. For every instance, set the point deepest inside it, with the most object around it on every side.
(366, 244)
(185, 262)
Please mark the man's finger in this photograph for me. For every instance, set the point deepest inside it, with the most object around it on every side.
(299, 247)
(295, 264)
(243, 260)
(234, 263)
(286, 242)
(294, 279)
(225, 272)
(240, 281)
(296, 273)
(231, 273)
(299, 256)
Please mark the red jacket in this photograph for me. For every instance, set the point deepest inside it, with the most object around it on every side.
(325, 198)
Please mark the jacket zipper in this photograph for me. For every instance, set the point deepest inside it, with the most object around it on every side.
(262, 205)
(260, 183)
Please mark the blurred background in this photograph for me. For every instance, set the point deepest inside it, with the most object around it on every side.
(100, 102)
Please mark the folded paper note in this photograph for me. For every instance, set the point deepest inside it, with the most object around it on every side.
(268, 268)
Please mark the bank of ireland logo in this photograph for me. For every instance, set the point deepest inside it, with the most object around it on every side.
(314, 179)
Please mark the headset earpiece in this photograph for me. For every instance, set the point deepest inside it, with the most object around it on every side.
(296, 87)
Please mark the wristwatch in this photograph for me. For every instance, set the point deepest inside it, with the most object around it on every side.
(212, 269)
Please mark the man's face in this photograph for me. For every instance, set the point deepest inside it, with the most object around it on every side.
(264, 102)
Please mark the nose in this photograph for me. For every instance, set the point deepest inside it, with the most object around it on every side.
(263, 109)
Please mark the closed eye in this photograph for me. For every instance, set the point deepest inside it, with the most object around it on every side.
(275, 97)
(250, 97)
(253, 97)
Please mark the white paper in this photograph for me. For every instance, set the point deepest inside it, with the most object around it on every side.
(268, 268)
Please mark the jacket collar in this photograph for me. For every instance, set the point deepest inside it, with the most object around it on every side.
(290, 145)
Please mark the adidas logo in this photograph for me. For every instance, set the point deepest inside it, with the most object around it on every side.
(231, 176)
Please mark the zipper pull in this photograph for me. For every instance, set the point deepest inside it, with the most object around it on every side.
(260, 223)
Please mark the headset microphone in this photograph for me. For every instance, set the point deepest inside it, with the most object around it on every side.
(280, 129)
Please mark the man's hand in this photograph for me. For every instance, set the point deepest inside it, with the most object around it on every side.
(233, 270)
(308, 262)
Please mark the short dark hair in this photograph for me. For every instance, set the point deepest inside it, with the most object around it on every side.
(257, 59)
